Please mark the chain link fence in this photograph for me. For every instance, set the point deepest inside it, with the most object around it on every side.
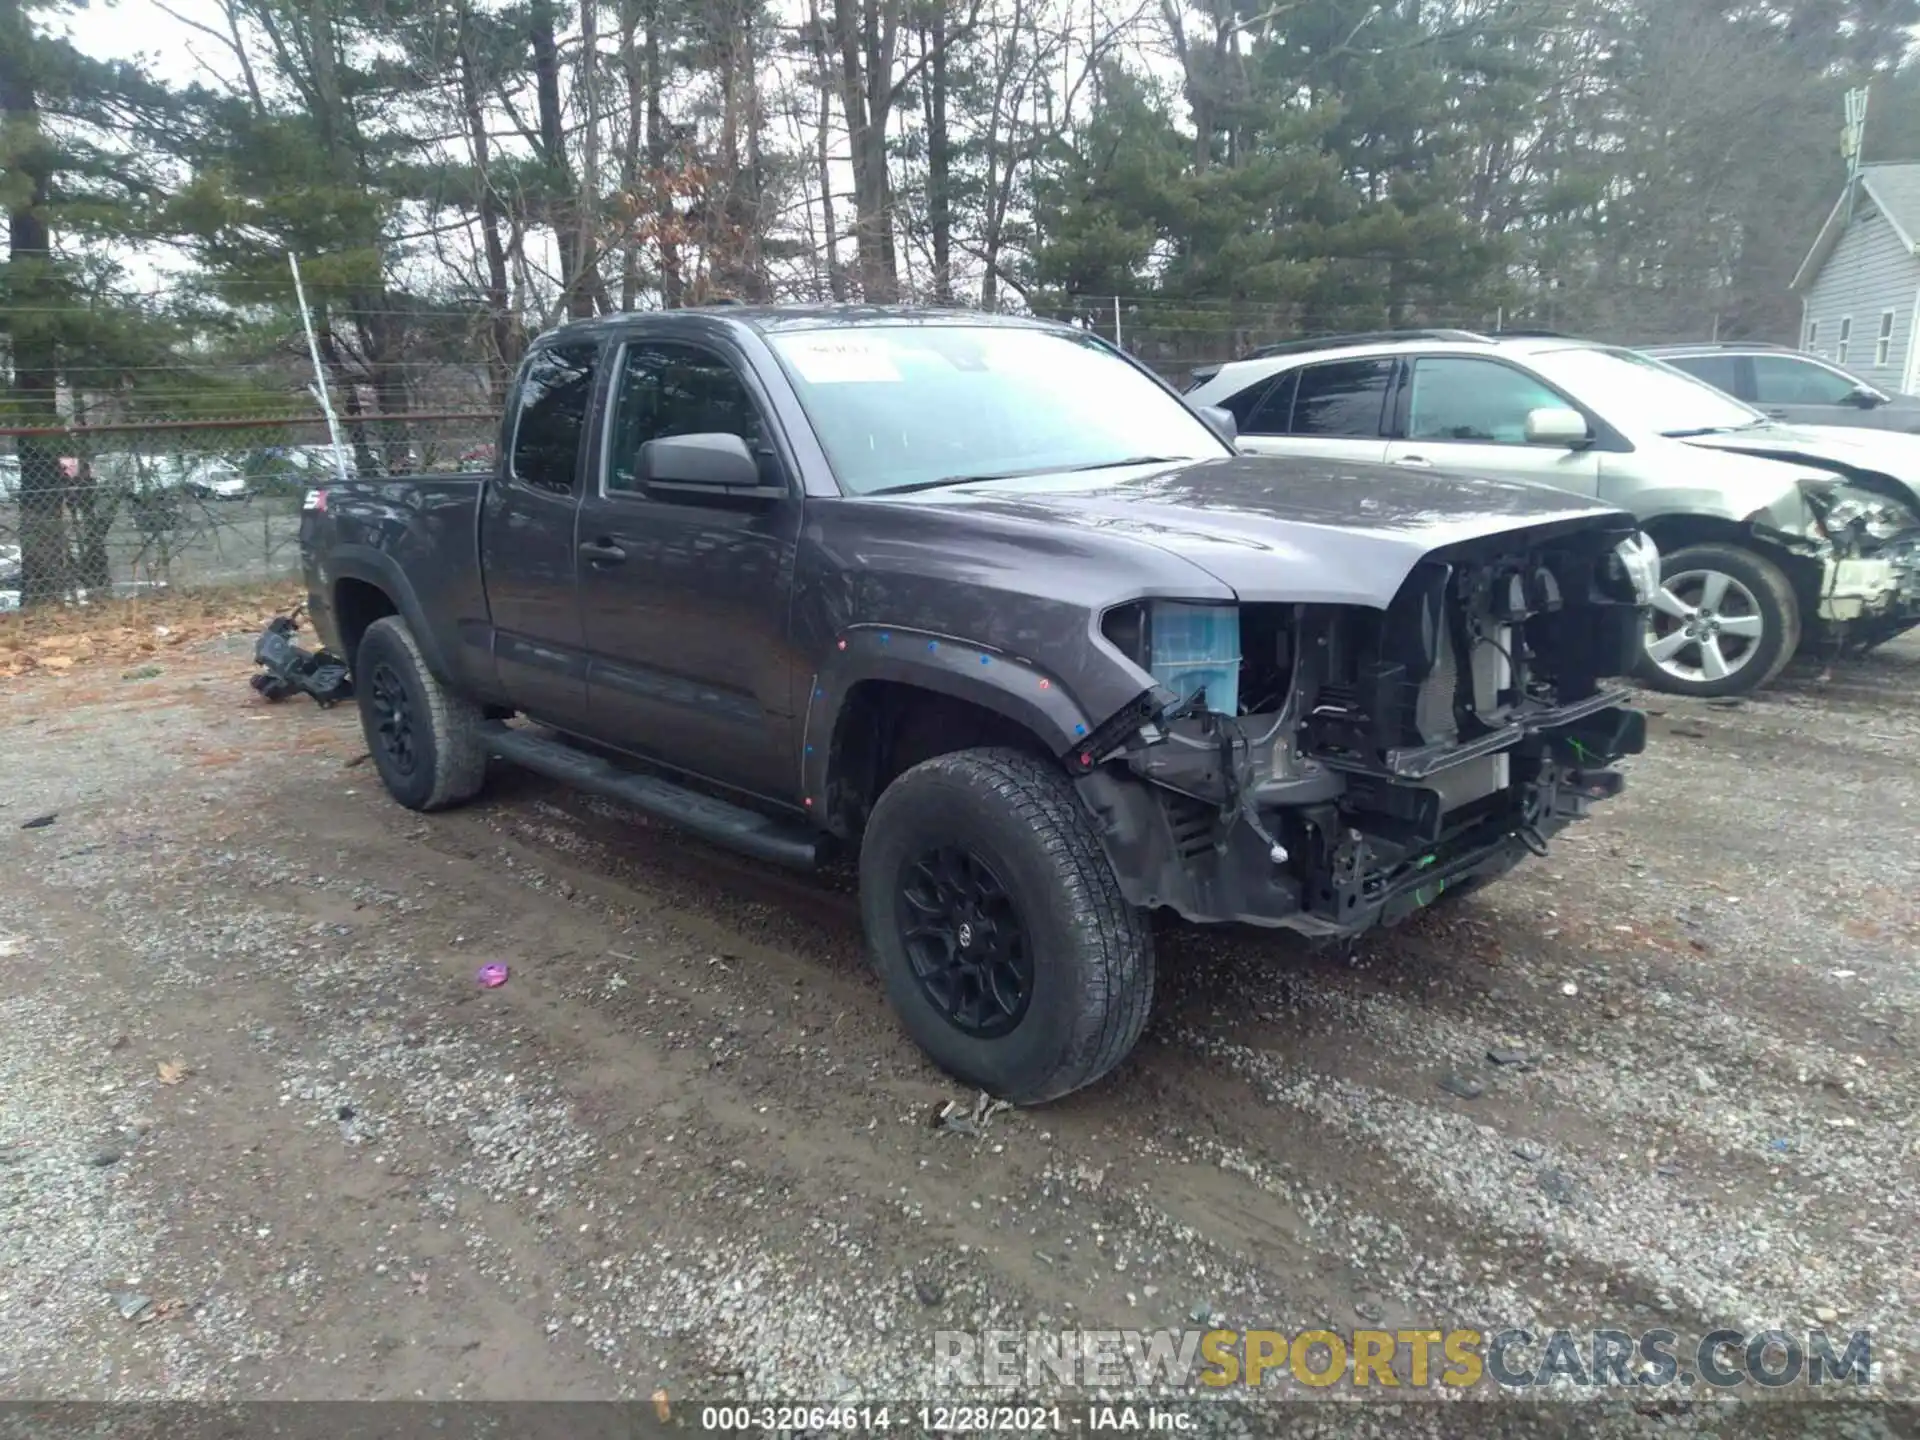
(116, 509)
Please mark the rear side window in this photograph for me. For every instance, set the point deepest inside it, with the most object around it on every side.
(555, 390)
(1343, 399)
(1266, 409)
(1720, 371)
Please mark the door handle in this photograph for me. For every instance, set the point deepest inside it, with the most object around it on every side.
(603, 552)
(1778, 413)
(1415, 462)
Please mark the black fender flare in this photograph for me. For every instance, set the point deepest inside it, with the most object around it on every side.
(964, 669)
(376, 567)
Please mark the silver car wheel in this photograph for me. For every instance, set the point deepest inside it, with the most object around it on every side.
(1705, 626)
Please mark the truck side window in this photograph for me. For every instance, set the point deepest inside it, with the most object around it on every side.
(667, 390)
(555, 391)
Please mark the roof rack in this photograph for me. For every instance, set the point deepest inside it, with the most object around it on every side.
(1671, 346)
(1370, 337)
(1527, 333)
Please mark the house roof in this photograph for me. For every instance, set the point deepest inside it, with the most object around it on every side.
(1895, 192)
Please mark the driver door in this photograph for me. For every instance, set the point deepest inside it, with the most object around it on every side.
(684, 597)
(1468, 415)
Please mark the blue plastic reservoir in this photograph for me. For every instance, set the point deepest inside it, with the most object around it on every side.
(1196, 647)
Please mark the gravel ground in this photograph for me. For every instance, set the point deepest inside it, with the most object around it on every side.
(252, 1098)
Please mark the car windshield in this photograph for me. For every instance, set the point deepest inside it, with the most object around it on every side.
(900, 406)
(1637, 392)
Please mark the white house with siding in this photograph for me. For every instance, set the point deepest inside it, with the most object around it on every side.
(1859, 286)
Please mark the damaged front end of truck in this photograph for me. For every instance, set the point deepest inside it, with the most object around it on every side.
(1328, 768)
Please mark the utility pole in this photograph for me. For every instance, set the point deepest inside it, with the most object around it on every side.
(1853, 139)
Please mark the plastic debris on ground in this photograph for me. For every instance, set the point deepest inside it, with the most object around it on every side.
(286, 669)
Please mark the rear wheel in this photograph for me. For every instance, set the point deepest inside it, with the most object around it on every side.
(1725, 622)
(998, 927)
(425, 740)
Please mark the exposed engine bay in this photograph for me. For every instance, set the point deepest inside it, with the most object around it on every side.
(1327, 768)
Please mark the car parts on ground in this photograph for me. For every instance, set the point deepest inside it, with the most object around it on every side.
(286, 669)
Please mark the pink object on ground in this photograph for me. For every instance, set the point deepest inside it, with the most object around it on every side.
(492, 976)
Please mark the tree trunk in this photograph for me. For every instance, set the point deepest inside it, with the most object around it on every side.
(575, 296)
(636, 77)
(865, 36)
(506, 346)
(33, 301)
(939, 157)
(666, 219)
(823, 78)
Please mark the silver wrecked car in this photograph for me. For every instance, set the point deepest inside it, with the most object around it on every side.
(1769, 535)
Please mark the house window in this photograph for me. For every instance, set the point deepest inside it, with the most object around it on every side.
(1846, 338)
(1883, 346)
(1813, 337)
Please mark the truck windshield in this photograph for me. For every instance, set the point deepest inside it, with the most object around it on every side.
(913, 406)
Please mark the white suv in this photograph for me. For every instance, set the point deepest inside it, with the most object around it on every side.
(1767, 533)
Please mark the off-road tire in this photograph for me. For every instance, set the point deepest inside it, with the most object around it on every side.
(449, 761)
(1779, 610)
(1092, 952)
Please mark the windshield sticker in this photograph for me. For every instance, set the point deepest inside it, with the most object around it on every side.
(836, 360)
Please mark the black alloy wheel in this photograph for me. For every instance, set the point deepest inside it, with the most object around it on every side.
(393, 711)
(964, 937)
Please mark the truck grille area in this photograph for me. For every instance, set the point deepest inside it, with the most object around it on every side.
(1477, 640)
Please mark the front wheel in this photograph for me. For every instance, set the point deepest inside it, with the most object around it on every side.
(1725, 622)
(424, 739)
(998, 927)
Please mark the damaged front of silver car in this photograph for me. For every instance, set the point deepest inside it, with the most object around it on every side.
(1855, 526)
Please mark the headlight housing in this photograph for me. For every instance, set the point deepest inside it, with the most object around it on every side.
(1639, 557)
(1853, 511)
(1190, 647)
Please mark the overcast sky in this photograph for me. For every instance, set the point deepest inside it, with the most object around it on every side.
(132, 28)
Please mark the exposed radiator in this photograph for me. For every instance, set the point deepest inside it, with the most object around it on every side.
(1433, 715)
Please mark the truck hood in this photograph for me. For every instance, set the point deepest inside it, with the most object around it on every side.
(1828, 447)
(1275, 528)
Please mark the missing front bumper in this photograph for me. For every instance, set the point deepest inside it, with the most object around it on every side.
(1369, 856)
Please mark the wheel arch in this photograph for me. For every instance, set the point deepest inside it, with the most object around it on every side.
(888, 698)
(364, 585)
(1672, 533)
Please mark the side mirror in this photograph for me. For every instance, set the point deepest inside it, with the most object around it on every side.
(1865, 396)
(716, 465)
(1221, 422)
(1556, 425)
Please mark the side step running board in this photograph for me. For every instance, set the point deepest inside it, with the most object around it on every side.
(737, 828)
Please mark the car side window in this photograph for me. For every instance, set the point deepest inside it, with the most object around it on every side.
(556, 388)
(1720, 371)
(1783, 380)
(1267, 410)
(1342, 399)
(665, 390)
(1457, 398)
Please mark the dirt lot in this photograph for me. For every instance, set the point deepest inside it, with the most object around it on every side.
(246, 1075)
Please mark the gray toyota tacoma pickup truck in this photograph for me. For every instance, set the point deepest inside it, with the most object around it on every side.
(986, 605)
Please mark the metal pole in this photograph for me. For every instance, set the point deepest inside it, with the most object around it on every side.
(1116, 322)
(319, 386)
